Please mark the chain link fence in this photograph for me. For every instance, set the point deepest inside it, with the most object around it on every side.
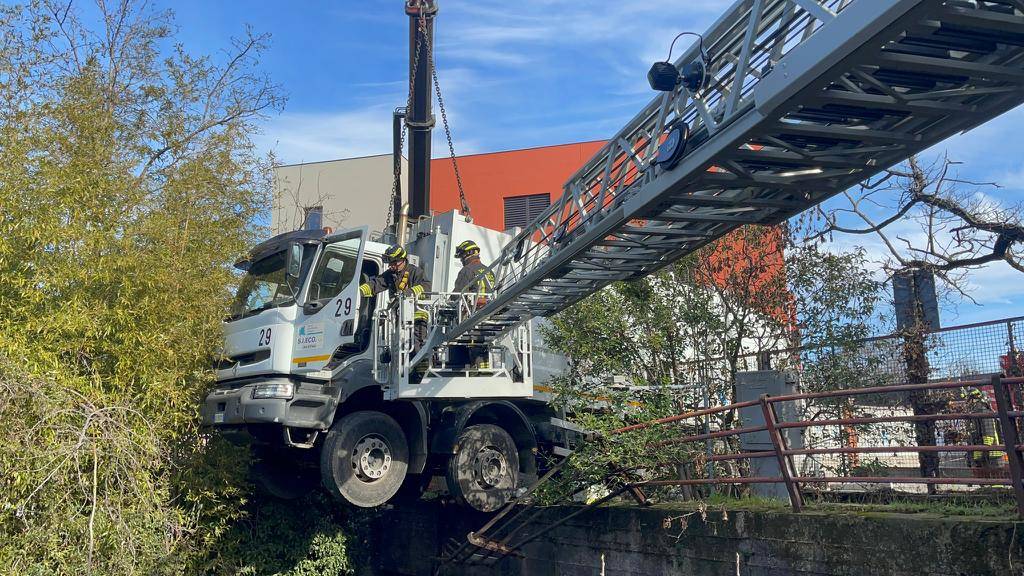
(907, 435)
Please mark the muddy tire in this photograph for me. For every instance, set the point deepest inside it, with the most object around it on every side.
(484, 470)
(364, 459)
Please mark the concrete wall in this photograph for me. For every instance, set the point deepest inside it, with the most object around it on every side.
(353, 192)
(630, 541)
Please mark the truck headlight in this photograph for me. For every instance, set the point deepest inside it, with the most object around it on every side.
(273, 390)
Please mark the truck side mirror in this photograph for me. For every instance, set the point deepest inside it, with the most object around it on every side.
(294, 261)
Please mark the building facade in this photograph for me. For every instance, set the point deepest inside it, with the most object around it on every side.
(503, 189)
(336, 193)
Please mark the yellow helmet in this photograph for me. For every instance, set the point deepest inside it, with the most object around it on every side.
(394, 253)
(467, 248)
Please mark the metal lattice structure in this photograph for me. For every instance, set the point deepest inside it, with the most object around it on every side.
(804, 99)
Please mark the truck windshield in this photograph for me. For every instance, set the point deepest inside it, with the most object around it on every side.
(335, 270)
(265, 284)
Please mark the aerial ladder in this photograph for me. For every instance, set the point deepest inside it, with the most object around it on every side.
(778, 106)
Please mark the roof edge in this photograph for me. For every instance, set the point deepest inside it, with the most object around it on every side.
(332, 160)
(527, 149)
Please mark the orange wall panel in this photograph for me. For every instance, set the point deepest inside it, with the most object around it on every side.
(489, 178)
(754, 264)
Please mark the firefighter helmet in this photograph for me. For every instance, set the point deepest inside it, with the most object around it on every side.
(395, 253)
(467, 248)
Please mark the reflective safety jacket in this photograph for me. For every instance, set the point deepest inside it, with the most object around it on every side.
(986, 432)
(411, 281)
(475, 277)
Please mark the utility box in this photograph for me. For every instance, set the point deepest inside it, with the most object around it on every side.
(914, 299)
(751, 386)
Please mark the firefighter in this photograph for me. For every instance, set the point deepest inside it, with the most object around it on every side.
(403, 278)
(985, 432)
(476, 278)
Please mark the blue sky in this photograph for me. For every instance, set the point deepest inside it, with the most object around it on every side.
(521, 74)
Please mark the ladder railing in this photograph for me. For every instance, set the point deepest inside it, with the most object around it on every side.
(804, 99)
(752, 36)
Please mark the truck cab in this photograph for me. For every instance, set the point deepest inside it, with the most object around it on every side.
(318, 377)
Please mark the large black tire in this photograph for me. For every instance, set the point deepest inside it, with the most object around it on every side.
(280, 475)
(484, 471)
(364, 459)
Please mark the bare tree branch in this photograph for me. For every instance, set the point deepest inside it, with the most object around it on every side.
(960, 229)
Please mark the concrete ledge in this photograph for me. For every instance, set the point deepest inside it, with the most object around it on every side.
(628, 541)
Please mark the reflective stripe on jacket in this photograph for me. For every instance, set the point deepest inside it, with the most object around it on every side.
(475, 277)
(411, 281)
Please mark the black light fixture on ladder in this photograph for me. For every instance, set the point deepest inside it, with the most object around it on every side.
(665, 77)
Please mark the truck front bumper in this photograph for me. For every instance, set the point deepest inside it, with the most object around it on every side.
(309, 406)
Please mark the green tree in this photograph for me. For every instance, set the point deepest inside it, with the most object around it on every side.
(682, 335)
(129, 183)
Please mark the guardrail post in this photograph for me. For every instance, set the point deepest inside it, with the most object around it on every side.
(770, 421)
(1010, 441)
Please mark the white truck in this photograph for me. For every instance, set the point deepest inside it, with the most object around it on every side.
(320, 376)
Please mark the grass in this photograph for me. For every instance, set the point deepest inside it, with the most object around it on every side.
(942, 505)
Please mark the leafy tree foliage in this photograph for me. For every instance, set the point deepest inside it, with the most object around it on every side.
(756, 290)
(679, 337)
(128, 185)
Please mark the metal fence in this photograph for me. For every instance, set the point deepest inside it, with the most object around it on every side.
(952, 352)
(960, 353)
(993, 464)
(852, 424)
(990, 453)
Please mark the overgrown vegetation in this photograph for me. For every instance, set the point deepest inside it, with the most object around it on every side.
(677, 340)
(970, 505)
(128, 185)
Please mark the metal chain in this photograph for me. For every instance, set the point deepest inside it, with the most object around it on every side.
(444, 120)
(394, 184)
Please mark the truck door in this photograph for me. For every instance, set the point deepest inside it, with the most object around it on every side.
(330, 310)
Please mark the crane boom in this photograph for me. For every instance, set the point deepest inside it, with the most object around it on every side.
(803, 99)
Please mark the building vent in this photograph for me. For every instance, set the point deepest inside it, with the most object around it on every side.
(521, 210)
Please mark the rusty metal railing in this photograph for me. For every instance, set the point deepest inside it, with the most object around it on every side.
(1005, 414)
(504, 534)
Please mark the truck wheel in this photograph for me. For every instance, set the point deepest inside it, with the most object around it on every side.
(364, 458)
(484, 470)
(281, 476)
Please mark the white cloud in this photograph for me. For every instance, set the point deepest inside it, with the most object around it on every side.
(312, 137)
(996, 284)
(484, 56)
(532, 73)
(609, 32)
